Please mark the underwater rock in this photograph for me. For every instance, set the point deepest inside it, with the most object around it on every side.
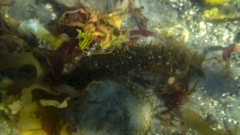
(105, 6)
(20, 10)
(69, 3)
(111, 109)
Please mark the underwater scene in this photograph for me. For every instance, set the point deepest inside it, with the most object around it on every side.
(119, 67)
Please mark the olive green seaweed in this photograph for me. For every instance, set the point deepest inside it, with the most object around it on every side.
(5, 83)
(17, 60)
(199, 124)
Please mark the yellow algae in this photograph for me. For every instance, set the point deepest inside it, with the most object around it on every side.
(213, 14)
(177, 32)
(215, 2)
(55, 42)
(45, 37)
(29, 113)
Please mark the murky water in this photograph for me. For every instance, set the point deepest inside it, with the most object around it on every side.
(134, 67)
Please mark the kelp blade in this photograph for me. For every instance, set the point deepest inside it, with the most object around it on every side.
(199, 124)
(17, 60)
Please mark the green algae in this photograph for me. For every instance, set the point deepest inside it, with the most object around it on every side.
(85, 39)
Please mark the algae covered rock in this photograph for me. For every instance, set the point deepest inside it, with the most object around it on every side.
(111, 109)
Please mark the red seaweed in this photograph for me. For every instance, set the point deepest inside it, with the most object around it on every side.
(56, 63)
(228, 51)
(140, 21)
(174, 93)
(71, 49)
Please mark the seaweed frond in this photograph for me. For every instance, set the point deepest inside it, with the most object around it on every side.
(85, 39)
(17, 60)
(200, 124)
